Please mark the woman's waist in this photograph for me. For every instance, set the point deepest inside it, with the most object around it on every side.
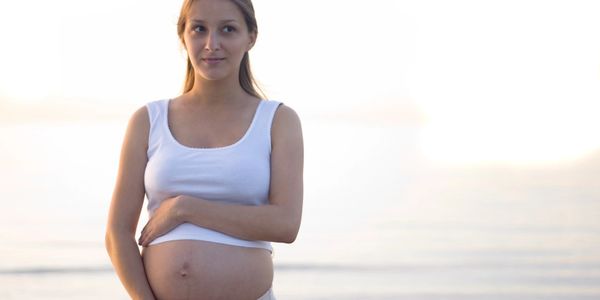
(197, 251)
(189, 231)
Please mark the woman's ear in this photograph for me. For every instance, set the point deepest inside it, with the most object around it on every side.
(252, 40)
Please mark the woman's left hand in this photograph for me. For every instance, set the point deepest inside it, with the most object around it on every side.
(164, 219)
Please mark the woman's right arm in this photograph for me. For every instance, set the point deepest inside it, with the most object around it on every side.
(126, 205)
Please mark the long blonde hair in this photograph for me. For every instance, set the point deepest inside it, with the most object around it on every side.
(247, 81)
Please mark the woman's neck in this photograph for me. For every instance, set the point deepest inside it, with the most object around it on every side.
(215, 92)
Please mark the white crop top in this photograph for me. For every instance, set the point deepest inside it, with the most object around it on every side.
(235, 174)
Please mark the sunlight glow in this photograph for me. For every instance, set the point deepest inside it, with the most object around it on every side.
(29, 53)
(501, 84)
(510, 81)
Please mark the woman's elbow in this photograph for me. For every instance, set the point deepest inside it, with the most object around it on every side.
(290, 238)
(113, 237)
(108, 242)
(290, 233)
(110, 238)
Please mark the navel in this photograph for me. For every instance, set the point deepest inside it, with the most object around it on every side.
(184, 271)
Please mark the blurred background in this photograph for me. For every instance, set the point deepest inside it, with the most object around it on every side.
(451, 147)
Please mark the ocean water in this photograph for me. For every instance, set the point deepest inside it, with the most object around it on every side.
(380, 221)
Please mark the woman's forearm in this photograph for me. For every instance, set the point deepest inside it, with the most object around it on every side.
(127, 261)
(263, 222)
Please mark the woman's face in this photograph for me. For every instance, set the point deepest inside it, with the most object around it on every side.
(216, 38)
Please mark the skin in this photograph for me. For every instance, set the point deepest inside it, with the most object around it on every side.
(215, 113)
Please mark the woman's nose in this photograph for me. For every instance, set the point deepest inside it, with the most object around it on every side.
(212, 42)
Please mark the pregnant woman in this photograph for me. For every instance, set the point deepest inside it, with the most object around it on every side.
(222, 169)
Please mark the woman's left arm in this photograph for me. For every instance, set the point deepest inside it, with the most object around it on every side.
(278, 221)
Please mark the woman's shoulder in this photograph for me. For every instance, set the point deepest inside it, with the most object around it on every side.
(139, 121)
(142, 113)
(138, 127)
(284, 113)
(286, 123)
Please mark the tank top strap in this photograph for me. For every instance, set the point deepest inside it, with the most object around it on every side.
(156, 115)
(264, 121)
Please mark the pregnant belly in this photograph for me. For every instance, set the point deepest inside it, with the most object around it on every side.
(190, 269)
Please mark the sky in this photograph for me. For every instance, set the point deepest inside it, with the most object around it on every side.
(484, 81)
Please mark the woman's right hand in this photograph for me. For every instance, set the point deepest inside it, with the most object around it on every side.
(163, 220)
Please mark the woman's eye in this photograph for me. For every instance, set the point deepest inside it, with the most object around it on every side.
(229, 29)
(198, 28)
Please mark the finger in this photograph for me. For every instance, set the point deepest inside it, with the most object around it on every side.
(147, 239)
(142, 238)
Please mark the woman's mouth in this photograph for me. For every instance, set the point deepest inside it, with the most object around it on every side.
(212, 61)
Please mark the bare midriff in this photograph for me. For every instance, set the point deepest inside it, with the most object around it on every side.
(200, 270)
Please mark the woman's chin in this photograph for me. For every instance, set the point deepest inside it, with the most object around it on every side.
(212, 76)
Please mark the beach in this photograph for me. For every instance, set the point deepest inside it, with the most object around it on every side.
(379, 220)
